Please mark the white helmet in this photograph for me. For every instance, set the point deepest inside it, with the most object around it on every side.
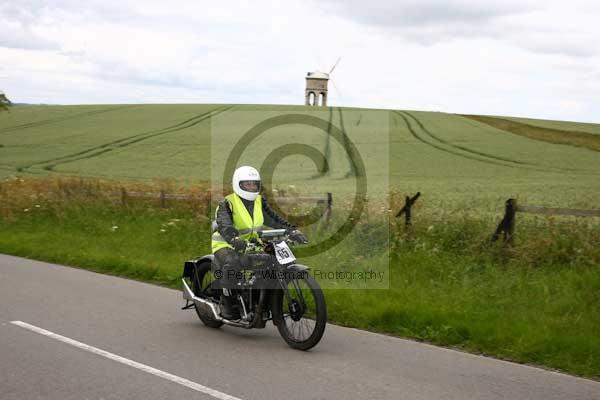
(241, 177)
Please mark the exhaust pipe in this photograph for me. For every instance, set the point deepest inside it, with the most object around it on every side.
(206, 305)
(210, 307)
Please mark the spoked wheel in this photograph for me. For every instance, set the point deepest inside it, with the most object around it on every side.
(302, 313)
(202, 287)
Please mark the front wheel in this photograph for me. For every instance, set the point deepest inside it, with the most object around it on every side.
(301, 312)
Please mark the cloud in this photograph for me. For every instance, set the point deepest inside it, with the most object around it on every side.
(557, 44)
(415, 13)
(22, 39)
(430, 21)
(542, 27)
(18, 36)
(474, 57)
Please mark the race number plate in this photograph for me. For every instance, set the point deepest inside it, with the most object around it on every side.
(283, 253)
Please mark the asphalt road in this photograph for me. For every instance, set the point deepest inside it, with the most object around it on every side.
(136, 343)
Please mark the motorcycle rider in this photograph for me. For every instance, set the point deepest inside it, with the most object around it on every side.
(238, 219)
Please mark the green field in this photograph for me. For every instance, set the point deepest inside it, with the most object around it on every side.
(450, 158)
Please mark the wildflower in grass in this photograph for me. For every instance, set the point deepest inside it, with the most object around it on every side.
(26, 209)
(163, 230)
(37, 206)
(114, 228)
(171, 223)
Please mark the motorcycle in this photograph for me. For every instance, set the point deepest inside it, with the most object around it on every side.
(270, 287)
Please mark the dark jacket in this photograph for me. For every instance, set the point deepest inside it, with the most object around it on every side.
(225, 218)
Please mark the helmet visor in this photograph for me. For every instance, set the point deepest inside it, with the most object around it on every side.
(250, 186)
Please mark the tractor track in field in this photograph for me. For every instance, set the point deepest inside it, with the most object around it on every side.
(437, 146)
(474, 155)
(60, 119)
(466, 149)
(327, 152)
(13, 169)
(353, 168)
(324, 169)
(95, 151)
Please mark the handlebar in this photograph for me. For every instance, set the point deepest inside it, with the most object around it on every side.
(277, 233)
(269, 236)
(272, 233)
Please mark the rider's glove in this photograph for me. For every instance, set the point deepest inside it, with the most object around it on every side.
(297, 236)
(238, 244)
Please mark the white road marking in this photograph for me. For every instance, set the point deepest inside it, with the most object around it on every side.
(165, 375)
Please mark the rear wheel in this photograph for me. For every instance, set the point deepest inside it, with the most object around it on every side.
(301, 313)
(202, 287)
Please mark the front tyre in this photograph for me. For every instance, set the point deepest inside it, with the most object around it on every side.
(301, 312)
(201, 286)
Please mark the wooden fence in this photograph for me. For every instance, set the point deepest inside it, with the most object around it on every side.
(162, 197)
(407, 211)
(506, 227)
(326, 200)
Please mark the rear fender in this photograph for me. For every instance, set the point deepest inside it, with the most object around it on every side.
(190, 265)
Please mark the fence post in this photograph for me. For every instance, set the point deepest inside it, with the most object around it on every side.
(406, 210)
(208, 206)
(507, 225)
(123, 196)
(162, 199)
(407, 214)
(509, 228)
(328, 209)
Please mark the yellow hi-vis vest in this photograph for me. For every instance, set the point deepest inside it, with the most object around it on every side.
(246, 226)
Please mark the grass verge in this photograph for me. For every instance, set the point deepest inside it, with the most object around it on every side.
(535, 303)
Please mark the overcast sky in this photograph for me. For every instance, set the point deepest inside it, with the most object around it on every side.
(521, 58)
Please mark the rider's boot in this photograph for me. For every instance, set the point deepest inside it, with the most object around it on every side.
(228, 309)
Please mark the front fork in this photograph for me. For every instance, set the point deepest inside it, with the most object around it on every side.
(296, 304)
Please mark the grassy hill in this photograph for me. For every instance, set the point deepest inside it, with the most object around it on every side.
(450, 158)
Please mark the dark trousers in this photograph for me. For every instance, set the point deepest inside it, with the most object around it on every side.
(229, 261)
